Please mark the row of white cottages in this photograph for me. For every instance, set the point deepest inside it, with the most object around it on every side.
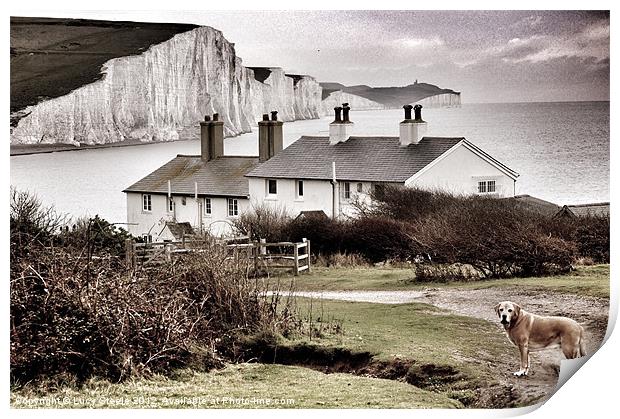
(312, 174)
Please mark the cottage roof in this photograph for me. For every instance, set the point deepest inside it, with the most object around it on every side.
(584, 210)
(373, 159)
(536, 204)
(223, 176)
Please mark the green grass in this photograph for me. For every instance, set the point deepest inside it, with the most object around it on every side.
(242, 386)
(586, 280)
(409, 331)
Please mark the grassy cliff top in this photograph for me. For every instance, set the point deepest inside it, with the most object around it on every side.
(51, 57)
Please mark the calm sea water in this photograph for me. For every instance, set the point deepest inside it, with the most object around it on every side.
(561, 151)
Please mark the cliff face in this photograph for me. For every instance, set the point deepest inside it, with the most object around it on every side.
(357, 103)
(441, 101)
(395, 97)
(162, 94)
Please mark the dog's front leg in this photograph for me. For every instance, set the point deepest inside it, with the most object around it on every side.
(525, 360)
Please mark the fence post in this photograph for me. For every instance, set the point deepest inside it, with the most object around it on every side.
(182, 240)
(129, 253)
(255, 254)
(168, 251)
(263, 249)
(308, 252)
(296, 259)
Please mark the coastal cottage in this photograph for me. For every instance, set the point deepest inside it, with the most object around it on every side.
(314, 174)
(206, 191)
(331, 174)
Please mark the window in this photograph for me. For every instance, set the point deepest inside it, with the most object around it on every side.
(170, 204)
(147, 238)
(486, 186)
(360, 187)
(272, 187)
(347, 190)
(184, 200)
(207, 205)
(146, 202)
(300, 189)
(233, 207)
(379, 190)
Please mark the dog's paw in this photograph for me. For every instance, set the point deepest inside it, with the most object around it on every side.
(520, 373)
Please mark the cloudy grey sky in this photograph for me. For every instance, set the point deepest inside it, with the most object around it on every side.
(490, 56)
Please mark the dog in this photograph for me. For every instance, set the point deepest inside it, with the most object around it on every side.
(530, 333)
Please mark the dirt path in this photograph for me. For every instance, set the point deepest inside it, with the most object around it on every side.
(591, 312)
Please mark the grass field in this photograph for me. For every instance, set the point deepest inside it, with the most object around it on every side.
(586, 280)
(416, 333)
(244, 386)
(419, 336)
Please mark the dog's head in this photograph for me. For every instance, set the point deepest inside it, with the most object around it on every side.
(508, 312)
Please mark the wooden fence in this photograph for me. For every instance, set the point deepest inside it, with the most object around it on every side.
(268, 256)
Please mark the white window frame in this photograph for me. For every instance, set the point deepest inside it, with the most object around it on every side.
(299, 186)
(147, 202)
(346, 190)
(232, 204)
(170, 205)
(486, 186)
(360, 187)
(208, 203)
(268, 192)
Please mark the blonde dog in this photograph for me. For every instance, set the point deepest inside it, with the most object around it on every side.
(530, 333)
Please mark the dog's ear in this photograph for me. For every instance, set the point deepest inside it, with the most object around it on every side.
(497, 310)
(517, 309)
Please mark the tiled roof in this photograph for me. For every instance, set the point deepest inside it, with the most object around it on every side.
(179, 230)
(223, 176)
(584, 210)
(375, 159)
(536, 204)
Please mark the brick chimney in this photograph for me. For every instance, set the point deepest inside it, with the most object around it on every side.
(340, 130)
(412, 130)
(269, 136)
(211, 138)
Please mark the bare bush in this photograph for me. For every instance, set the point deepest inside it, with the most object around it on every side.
(263, 222)
(75, 313)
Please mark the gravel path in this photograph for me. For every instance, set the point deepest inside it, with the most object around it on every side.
(591, 312)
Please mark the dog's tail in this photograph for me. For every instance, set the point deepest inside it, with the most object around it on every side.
(582, 344)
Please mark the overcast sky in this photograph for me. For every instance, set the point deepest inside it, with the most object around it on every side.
(498, 56)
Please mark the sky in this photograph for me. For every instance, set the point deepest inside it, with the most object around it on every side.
(489, 56)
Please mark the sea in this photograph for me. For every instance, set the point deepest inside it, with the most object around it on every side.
(559, 149)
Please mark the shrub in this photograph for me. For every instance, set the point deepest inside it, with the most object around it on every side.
(75, 313)
(96, 235)
(327, 236)
(31, 223)
(379, 238)
(263, 222)
(592, 238)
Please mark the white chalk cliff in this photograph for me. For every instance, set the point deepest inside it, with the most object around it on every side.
(441, 101)
(163, 93)
(356, 102)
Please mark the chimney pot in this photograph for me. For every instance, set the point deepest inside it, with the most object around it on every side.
(216, 116)
(337, 112)
(345, 113)
(207, 118)
(265, 117)
(274, 115)
(407, 109)
(418, 112)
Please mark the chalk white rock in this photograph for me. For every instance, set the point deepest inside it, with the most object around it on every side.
(163, 93)
(357, 103)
